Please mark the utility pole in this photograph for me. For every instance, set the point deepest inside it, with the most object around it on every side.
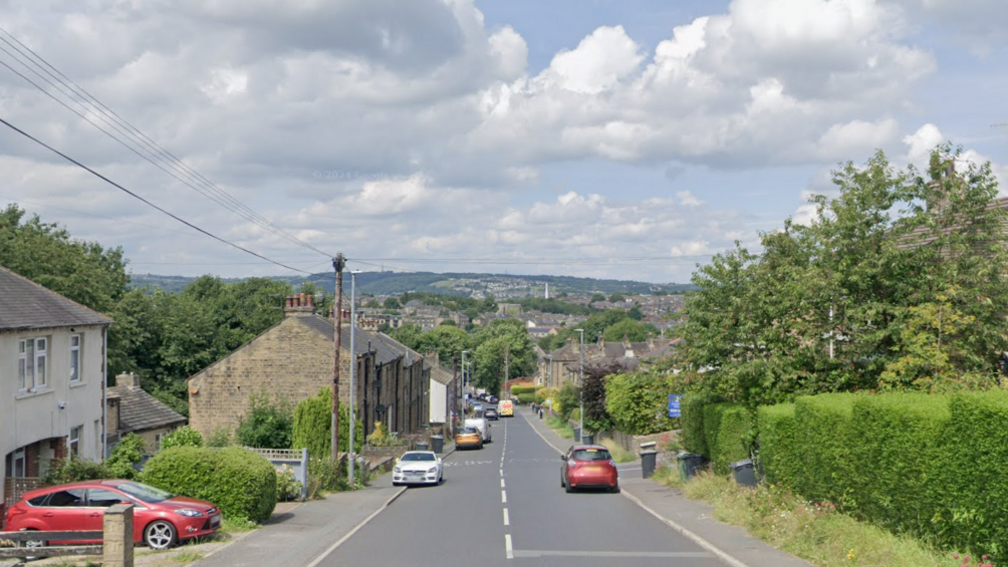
(507, 368)
(353, 370)
(338, 263)
(581, 391)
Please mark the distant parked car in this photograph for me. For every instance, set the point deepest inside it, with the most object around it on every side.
(490, 414)
(469, 438)
(160, 519)
(418, 467)
(588, 466)
(493, 399)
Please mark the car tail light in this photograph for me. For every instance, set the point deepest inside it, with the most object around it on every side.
(612, 463)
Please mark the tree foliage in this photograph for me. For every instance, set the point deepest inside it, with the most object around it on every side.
(266, 425)
(898, 281)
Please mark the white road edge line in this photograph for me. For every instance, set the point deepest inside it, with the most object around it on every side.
(508, 550)
(507, 519)
(675, 526)
(343, 539)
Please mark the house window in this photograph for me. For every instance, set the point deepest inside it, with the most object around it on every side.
(32, 364)
(74, 444)
(19, 464)
(75, 344)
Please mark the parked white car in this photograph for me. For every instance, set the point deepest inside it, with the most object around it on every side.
(481, 425)
(418, 467)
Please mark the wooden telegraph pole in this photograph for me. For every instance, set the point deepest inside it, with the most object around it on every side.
(338, 263)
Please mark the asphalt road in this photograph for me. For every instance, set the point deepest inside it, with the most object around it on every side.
(503, 506)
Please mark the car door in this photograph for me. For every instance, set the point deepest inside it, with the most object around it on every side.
(65, 511)
(99, 500)
(563, 465)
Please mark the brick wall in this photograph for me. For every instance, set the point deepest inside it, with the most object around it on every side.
(290, 361)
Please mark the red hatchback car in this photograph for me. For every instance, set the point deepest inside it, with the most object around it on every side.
(588, 466)
(160, 519)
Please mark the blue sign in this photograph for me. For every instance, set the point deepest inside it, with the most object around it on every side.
(673, 405)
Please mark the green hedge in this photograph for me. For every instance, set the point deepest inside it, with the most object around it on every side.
(822, 446)
(240, 482)
(526, 397)
(691, 407)
(519, 390)
(896, 451)
(975, 515)
(726, 427)
(778, 457)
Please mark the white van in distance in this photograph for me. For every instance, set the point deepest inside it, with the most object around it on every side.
(481, 425)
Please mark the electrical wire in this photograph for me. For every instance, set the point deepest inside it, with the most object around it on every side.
(110, 117)
(138, 197)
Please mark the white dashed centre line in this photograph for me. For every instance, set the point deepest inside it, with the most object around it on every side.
(508, 550)
(507, 520)
(502, 483)
(503, 497)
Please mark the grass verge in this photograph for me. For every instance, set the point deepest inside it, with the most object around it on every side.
(560, 426)
(815, 532)
(619, 454)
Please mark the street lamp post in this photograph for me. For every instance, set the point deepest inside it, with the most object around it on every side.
(581, 390)
(465, 399)
(353, 370)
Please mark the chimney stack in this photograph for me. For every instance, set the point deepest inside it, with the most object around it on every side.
(300, 305)
(128, 380)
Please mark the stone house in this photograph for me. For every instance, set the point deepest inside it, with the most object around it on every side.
(52, 370)
(294, 359)
(564, 364)
(132, 410)
(442, 392)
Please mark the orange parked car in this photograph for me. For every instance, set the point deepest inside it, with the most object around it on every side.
(469, 438)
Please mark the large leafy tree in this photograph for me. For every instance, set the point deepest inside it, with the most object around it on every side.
(503, 350)
(842, 302)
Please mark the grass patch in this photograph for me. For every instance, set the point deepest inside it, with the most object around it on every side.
(816, 532)
(561, 426)
(619, 454)
(236, 526)
(187, 556)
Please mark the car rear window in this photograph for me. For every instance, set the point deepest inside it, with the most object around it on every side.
(67, 498)
(468, 430)
(592, 455)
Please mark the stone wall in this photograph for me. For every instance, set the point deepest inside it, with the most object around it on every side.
(290, 361)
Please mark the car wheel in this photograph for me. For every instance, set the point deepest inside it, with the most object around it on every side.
(568, 488)
(615, 489)
(159, 535)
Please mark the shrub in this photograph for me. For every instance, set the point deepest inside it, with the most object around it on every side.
(74, 470)
(266, 425)
(638, 403)
(519, 389)
(287, 487)
(777, 454)
(904, 431)
(324, 475)
(822, 438)
(221, 437)
(127, 453)
(184, 436)
(542, 394)
(568, 398)
(735, 437)
(691, 406)
(526, 398)
(312, 426)
(240, 482)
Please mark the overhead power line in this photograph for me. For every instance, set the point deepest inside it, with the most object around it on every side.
(148, 150)
(139, 198)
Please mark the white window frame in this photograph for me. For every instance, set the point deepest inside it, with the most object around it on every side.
(75, 358)
(23, 365)
(41, 362)
(73, 441)
(19, 455)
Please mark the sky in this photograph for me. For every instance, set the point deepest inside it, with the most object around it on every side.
(629, 139)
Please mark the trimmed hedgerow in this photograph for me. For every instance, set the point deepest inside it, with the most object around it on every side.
(822, 438)
(725, 427)
(518, 390)
(975, 515)
(691, 407)
(778, 456)
(240, 482)
(895, 449)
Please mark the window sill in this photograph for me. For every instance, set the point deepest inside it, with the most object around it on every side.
(77, 384)
(33, 393)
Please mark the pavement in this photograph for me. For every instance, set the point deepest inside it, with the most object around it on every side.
(303, 534)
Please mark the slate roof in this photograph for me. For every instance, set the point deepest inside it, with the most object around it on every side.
(140, 411)
(26, 305)
(440, 375)
(386, 348)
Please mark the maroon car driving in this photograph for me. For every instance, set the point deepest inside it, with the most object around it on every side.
(588, 466)
(160, 519)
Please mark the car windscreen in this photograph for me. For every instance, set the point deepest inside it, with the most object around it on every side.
(144, 492)
(468, 431)
(418, 457)
(591, 455)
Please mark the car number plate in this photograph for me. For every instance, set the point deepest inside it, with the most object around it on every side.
(594, 469)
(215, 521)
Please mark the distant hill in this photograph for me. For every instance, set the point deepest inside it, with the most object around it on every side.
(468, 284)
